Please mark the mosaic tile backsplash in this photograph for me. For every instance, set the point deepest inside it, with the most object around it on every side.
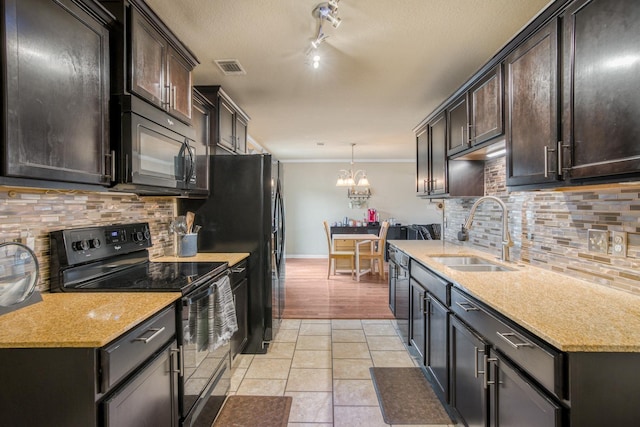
(37, 212)
(549, 228)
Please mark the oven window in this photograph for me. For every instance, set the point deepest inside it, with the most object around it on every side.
(200, 359)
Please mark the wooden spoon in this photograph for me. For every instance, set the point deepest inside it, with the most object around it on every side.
(190, 218)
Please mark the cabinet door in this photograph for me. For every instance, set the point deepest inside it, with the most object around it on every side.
(457, 116)
(438, 345)
(438, 155)
(201, 120)
(148, 59)
(241, 135)
(179, 86)
(226, 126)
(532, 109)
(417, 319)
(601, 48)
(241, 302)
(56, 92)
(149, 398)
(515, 401)
(422, 162)
(468, 394)
(485, 107)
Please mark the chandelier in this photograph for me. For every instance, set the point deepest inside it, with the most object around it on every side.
(353, 179)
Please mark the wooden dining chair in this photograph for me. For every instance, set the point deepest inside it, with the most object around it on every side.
(374, 252)
(335, 255)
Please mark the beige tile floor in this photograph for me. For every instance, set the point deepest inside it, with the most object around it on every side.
(324, 365)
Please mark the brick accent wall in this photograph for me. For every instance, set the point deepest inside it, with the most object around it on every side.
(37, 212)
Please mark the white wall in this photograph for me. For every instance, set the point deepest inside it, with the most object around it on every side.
(311, 196)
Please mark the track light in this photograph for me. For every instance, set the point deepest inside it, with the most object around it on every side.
(334, 20)
(316, 61)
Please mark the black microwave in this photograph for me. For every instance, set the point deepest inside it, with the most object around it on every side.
(156, 153)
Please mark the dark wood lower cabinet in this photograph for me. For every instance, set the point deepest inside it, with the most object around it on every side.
(417, 326)
(241, 301)
(468, 393)
(514, 400)
(438, 345)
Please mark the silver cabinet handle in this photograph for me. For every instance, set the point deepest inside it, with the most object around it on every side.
(467, 306)
(176, 362)
(486, 383)
(505, 336)
(476, 359)
(462, 135)
(173, 97)
(156, 332)
(547, 150)
(238, 269)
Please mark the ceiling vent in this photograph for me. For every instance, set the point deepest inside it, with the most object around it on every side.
(230, 67)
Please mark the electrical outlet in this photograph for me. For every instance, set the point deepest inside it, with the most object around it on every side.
(619, 243)
(598, 241)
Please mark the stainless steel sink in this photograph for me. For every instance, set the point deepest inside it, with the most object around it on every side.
(470, 263)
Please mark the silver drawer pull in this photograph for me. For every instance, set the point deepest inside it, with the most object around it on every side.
(505, 336)
(467, 306)
(156, 332)
(238, 270)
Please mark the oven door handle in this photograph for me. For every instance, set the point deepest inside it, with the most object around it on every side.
(201, 294)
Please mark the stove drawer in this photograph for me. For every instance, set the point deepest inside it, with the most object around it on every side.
(124, 355)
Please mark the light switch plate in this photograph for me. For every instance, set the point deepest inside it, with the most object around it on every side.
(619, 243)
(598, 241)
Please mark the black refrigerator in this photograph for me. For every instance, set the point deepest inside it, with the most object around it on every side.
(245, 213)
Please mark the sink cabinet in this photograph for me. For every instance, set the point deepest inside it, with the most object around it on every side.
(55, 90)
(469, 395)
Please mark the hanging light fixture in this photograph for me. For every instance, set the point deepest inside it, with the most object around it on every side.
(353, 179)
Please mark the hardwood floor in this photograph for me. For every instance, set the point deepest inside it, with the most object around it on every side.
(310, 295)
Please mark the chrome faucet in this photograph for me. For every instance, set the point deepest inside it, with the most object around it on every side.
(506, 237)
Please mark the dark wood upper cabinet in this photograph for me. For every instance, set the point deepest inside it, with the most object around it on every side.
(202, 117)
(422, 161)
(55, 112)
(438, 155)
(485, 107)
(149, 60)
(601, 88)
(231, 122)
(458, 120)
(531, 99)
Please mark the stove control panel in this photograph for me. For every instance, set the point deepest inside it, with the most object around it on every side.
(80, 245)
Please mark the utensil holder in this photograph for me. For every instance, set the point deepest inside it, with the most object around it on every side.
(187, 245)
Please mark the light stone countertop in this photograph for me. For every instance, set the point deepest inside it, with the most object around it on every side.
(82, 319)
(571, 314)
(231, 258)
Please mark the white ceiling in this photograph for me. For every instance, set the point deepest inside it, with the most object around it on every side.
(388, 65)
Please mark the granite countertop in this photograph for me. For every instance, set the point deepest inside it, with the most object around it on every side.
(83, 319)
(231, 258)
(570, 314)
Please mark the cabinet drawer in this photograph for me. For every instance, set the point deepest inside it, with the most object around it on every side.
(540, 360)
(434, 284)
(124, 355)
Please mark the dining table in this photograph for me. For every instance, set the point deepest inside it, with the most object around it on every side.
(357, 238)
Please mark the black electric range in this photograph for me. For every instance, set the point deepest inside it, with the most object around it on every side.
(115, 258)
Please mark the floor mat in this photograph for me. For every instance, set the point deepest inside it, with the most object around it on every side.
(252, 411)
(406, 397)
